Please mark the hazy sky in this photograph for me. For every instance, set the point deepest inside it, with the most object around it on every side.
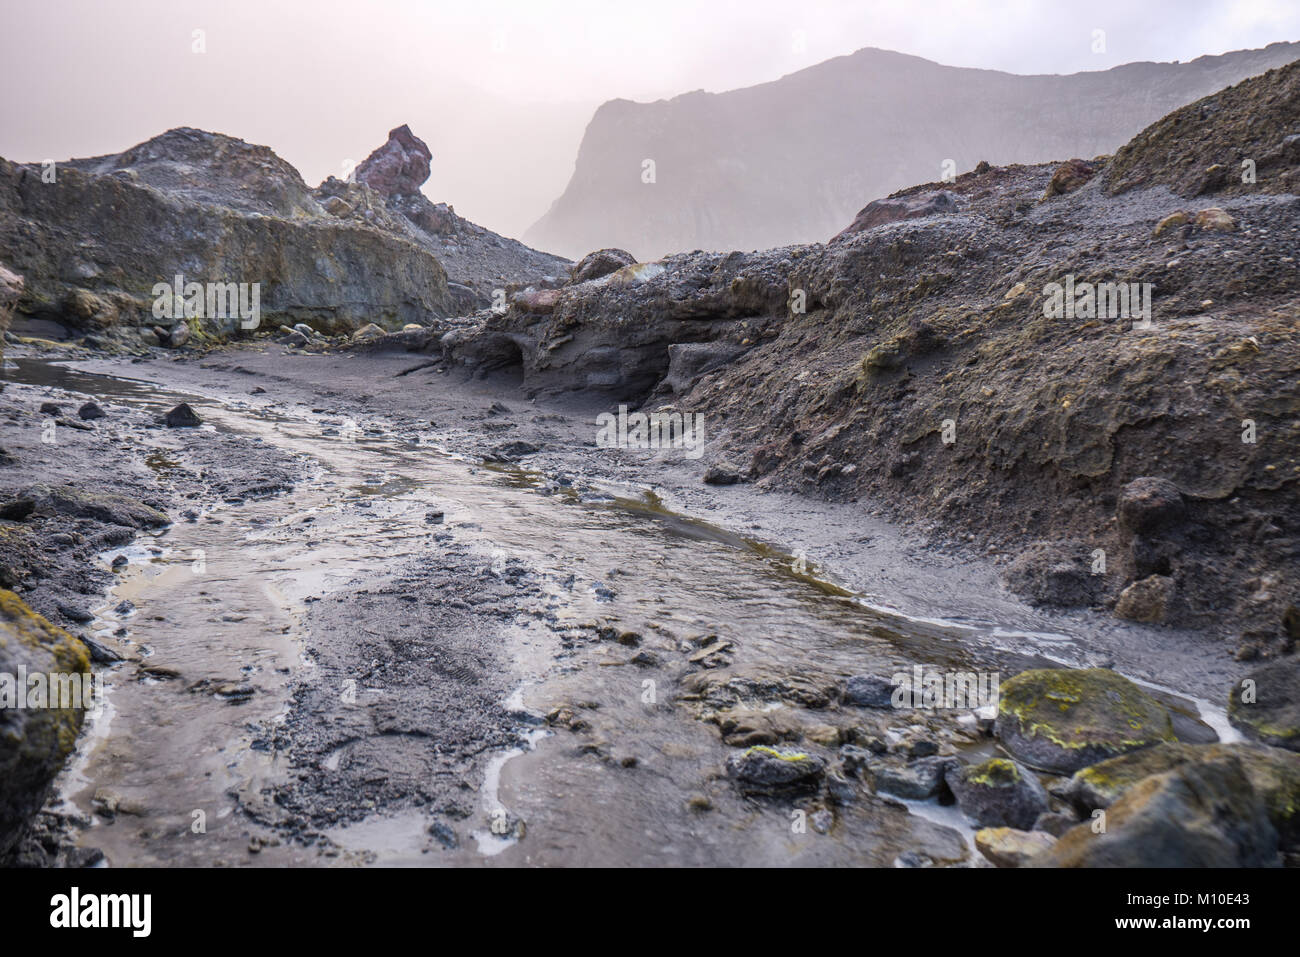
(502, 89)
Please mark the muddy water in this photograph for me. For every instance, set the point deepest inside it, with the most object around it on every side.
(219, 602)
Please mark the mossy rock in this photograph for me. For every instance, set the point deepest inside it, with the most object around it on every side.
(1201, 814)
(771, 770)
(33, 741)
(1268, 708)
(1274, 773)
(998, 793)
(1061, 720)
(995, 773)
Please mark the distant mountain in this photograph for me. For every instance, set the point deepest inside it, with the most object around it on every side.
(793, 160)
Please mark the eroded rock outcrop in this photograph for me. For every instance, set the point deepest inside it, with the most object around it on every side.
(481, 265)
(93, 243)
(93, 237)
(616, 333)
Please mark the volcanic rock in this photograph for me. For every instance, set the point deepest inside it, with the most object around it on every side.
(398, 167)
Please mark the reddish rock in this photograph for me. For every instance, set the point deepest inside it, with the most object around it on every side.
(540, 301)
(1069, 176)
(398, 167)
(882, 211)
(601, 263)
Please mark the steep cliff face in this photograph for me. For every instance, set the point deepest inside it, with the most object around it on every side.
(792, 160)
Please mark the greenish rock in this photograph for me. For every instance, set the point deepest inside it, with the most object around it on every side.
(34, 741)
(1205, 814)
(1061, 720)
(1273, 772)
(998, 793)
(765, 770)
(1265, 704)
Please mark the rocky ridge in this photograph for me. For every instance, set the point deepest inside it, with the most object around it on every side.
(790, 161)
(91, 238)
(386, 190)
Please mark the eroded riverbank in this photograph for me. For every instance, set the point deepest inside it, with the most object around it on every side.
(408, 652)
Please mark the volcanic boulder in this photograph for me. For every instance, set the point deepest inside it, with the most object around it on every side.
(1061, 720)
(882, 211)
(1205, 814)
(399, 167)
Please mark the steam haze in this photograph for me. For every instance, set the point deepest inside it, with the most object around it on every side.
(502, 90)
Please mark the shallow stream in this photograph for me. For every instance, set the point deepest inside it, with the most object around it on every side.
(215, 609)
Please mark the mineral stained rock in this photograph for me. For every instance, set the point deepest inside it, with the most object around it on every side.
(1061, 720)
(34, 741)
(1206, 814)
